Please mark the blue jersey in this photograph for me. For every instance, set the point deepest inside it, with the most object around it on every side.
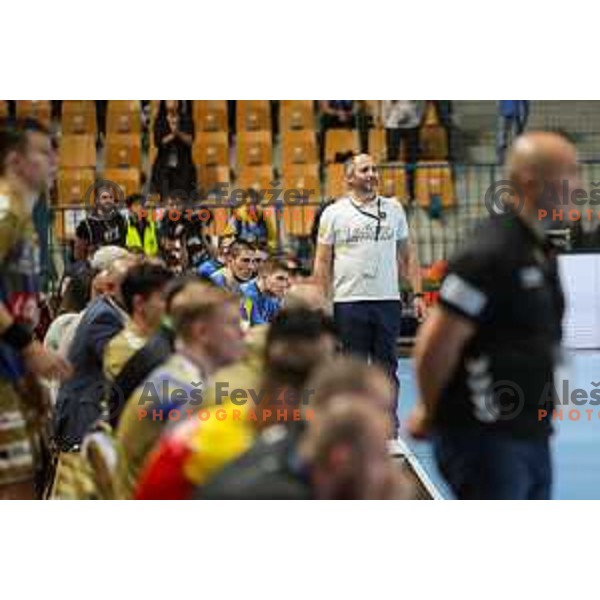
(208, 267)
(257, 307)
(219, 279)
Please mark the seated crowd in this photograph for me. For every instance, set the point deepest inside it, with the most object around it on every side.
(207, 373)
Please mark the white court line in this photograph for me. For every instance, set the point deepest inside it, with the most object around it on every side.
(399, 448)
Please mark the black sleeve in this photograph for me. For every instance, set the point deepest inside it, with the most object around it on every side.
(83, 231)
(138, 368)
(473, 284)
(123, 228)
(161, 129)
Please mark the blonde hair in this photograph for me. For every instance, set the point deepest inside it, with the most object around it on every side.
(197, 301)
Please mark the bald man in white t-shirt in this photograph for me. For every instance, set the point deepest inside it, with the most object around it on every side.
(363, 249)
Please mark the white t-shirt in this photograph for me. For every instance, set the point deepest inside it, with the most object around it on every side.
(364, 238)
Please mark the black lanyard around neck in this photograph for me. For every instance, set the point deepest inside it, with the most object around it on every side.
(379, 217)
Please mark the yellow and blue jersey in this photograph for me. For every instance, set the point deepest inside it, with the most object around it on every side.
(258, 307)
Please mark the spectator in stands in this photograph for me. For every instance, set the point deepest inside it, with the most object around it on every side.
(106, 226)
(262, 297)
(213, 264)
(241, 261)
(444, 111)
(79, 398)
(173, 168)
(249, 222)
(159, 347)
(83, 281)
(78, 294)
(171, 233)
(347, 375)
(190, 452)
(197, 239)
(402, 119)
(262, 255)
(142, 232)
(307, 293)
(342, 454)
(142, 291)
(334, 114)
(512, 120)
(101, 108)
(282, 359)
(172, 222)
(182, 232)
(62, 329)
(207, 325)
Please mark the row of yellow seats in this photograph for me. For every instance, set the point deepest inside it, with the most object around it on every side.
(433, 143)
(251, 115)
(254, 148)
(124, 116)
(122, 150)
(75, 186)
(79, 116)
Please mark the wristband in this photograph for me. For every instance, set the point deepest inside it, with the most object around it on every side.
(17, 336)
(418, 295)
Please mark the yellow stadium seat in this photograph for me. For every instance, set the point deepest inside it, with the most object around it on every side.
(254, 148)
(303, 177)
(298, 215)
(253, 115)
(299, 147)
(123, 150)
(433, 143)
(35, 109)
(296, 114)
(208, 178)
(127, 180)
(123, 116)
(392, 183)
(78, 116)
(257, 178)
(211, 149)
(210, 115)
(211, 175)
(431, 115)
(77, 151)
(74, 186)
(377, 145)
(340, 142)
(335, 181)
(434, 181)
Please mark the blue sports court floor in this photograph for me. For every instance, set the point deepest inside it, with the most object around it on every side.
(576, 443)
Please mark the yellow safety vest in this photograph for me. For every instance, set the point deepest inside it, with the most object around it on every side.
(133, 240)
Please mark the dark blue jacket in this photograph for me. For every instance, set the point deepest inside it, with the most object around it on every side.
(78, 404)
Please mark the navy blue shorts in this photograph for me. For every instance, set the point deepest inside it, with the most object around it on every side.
(481, 465)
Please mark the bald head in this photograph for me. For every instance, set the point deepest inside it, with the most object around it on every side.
(345, 446)
(540, 151)
(307, 294)
(543, 167)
